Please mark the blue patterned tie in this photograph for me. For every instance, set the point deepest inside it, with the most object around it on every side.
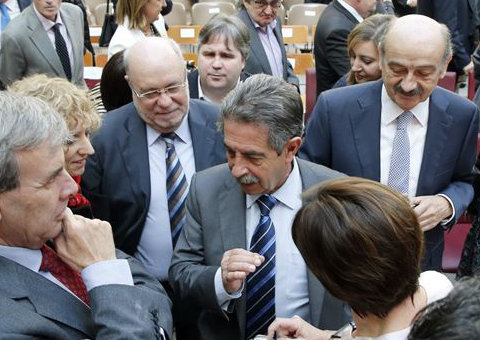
(176, 188)
(62, 51)
(399, 173)
(5, 16)
(261, 283)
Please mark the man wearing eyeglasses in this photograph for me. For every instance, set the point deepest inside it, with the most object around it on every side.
(267, 52)
(148, 148)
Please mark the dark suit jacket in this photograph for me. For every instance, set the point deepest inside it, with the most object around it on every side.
(446, 12)
(344, 134)
(401, 8)
(330, 49)
(117, 176)
(26, 48)
(257, 61)
(33, 307)
(215, 224)
(22, 4)
(193, 82)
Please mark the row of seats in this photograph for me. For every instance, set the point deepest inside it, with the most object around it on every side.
(201, 12)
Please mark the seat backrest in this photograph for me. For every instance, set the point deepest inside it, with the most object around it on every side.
(233, 2)
(290, 3)
(184, 34)
(449, 81)
(202, 12)
(100, 12)
(177, 16)
(305, 14)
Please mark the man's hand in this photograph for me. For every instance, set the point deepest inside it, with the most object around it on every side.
(412, 3)
(468, 67)
(431, 210)
(296, 328)
(236, 265)
(84, 242)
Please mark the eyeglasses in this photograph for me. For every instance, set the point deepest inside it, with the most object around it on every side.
(262, 4)
(169, 91)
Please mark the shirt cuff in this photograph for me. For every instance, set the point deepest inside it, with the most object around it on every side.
(107, 273)
(223, 297)
(448, 220)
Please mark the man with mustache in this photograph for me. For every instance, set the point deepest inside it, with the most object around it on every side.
(241, 272)
(403, 130)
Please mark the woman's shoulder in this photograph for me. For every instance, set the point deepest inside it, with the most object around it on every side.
(436, 285)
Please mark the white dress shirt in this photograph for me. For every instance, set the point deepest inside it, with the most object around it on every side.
(155, 246)
(48, 26)
(417, 132)
(13, 8)
(350, 9)
(291, 284)
(97, 274)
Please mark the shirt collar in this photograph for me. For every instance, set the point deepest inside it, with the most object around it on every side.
(352, 10)
(391, 111)
(46, 23)
(288, 193)
(29, 258)
(182, 132)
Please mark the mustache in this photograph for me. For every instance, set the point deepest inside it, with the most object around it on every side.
(413, 92)
(248, 179)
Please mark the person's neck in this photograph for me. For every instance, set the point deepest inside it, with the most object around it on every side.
(400, 317)
(213, 94)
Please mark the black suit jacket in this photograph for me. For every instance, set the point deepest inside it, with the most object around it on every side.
(330, 49)
(22, 4)
(117, 176)
(446, 12)
(193, 82)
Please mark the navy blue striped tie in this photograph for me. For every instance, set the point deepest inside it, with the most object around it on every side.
(261, 283)
(62, 51)
(176, 188)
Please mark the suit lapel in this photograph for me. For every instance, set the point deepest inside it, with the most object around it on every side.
(48, 299)
(72, 29)
(40, 40)
(203, 135)
(365, 124)
(439, 123)
(133, 145)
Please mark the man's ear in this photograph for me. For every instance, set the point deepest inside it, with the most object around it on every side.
(445, 67)
(291, 147)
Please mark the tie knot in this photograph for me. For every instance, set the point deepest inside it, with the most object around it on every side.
(49, 259)
(169, 138)
(266, 203)
(403, 120)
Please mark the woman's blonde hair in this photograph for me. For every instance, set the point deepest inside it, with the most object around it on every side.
(131, 11)
(72, 103)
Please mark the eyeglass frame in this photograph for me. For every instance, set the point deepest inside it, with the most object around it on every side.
(263, 4)
(159, 92)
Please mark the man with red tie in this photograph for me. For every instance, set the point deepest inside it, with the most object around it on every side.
(78, 286)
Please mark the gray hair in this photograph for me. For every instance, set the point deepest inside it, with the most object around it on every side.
(25, 123)
(265, 100)
(230, 28)
(171, 42)
(444, 31)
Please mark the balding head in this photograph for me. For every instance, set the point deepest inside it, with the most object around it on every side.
(415, 53)
(157, 76)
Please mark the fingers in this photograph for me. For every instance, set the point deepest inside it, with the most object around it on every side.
(431, 210)
(236, 264)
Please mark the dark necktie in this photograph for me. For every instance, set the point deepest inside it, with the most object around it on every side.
(63, 273)
(5, 16)
(176, 188)
(261, 283)
(62, 51)
(399, 174)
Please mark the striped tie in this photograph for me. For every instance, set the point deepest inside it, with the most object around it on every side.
(399, 174)
(176, 188)
(62, 51)
(261, 283)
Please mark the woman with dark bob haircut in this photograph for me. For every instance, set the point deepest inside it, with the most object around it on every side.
(363, 242)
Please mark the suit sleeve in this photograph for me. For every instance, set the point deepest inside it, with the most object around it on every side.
(460, 190)
(131, 312)
(189, 276)
(12, 60)
(316, 143)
